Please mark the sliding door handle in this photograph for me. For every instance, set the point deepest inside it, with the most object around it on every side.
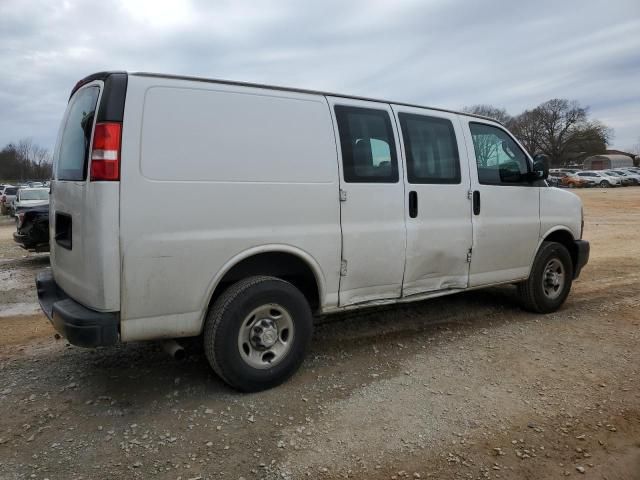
(413, 204)
(476, 202)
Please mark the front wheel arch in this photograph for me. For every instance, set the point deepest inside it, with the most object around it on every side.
(565, 238)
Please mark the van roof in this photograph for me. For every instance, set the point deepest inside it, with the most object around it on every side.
(103, 75)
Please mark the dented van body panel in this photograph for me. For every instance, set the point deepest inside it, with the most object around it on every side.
(362, 202)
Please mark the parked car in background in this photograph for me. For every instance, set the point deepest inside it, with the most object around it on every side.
(30, 197)
(7, 198)
(631, 175)
(3, 187)
(556, 178)
(626, 181)
(553, 181)
(600, 178)
(571, 180)
(32, 228)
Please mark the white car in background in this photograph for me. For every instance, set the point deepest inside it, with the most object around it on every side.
(30, 197)
(633, 175)
(600, 178)
(7, 197)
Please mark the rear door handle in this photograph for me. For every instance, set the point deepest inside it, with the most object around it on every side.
(413, 204)
(476, 202)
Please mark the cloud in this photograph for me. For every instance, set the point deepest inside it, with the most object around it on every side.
(440, 53)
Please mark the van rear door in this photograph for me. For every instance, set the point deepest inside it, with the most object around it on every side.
(84, 210)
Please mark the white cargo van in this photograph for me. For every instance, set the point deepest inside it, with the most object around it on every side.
(186, 206)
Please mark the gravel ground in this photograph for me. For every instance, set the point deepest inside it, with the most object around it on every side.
(466, 386)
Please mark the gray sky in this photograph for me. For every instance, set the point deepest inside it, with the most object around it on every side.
(512, 54)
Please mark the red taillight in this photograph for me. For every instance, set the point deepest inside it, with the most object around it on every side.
(105, 154)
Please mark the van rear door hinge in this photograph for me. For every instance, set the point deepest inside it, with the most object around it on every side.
(343, 268)
(470, 194)
(343, 195)
(469, 252)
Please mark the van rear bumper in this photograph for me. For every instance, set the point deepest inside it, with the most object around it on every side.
(80, 325)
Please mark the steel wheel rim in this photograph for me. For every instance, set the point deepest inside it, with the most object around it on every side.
(553, 279)
(266, 336)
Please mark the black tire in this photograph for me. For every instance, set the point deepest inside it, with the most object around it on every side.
(532, 291)
(604, 184)
(227, 316)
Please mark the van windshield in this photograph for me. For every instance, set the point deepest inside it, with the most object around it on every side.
(71, 156)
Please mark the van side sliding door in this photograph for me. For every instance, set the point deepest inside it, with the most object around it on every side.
(372, 201)
(437, 205)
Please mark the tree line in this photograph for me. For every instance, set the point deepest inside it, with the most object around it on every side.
(560, 129)
(24, 160)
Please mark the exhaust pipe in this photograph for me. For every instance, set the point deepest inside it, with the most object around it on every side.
(174, 349)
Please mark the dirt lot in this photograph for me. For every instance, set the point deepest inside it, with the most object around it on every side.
(466, 386)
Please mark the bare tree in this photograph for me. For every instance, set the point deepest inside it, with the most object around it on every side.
(499, 114)
(561, 130)
(527, 128)
(558, 120)
(25, 160)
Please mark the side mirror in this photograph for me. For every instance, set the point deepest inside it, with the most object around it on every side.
(540, 169)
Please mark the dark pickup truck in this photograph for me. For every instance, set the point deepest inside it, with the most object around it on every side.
(32, 229)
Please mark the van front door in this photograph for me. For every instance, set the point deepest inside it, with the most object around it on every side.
(438, 208)
(506, 210)
(371, 201)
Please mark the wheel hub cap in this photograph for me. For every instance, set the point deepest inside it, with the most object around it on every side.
(265, 334)
(553, 279)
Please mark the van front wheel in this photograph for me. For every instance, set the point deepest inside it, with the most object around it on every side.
(257, 333)
(550, 280)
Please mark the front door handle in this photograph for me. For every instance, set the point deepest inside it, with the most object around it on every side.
(413, 204)
(476, 202)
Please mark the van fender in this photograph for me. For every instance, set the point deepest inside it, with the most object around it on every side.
(268, 248)
(555, 228)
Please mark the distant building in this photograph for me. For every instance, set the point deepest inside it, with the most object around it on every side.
(604, 162)
(619, 152)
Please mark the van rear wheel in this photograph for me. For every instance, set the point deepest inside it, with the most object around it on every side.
(257, 333)
(550, 280)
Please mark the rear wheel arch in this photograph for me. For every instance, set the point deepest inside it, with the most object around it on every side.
(281, 261)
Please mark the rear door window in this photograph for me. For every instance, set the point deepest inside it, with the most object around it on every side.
(431, 149)
(368, 145)
(71, 161)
